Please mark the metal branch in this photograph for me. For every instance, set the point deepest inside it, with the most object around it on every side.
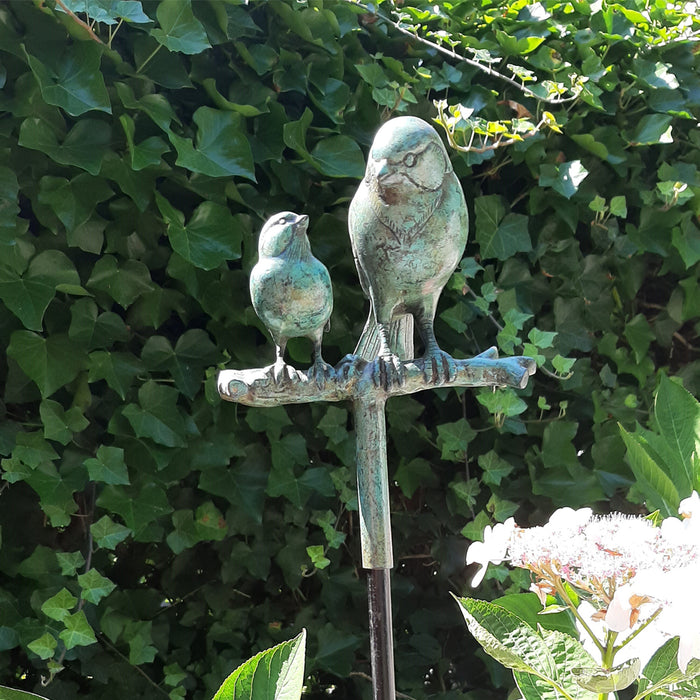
(352, 376)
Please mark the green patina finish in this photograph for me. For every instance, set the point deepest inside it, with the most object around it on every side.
(408, 226)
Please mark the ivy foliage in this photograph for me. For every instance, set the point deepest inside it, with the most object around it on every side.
(154, 538)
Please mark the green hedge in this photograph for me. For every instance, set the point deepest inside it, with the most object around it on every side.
(153, 537)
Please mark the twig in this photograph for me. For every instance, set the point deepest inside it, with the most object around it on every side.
(77, 19)
(454, 55)
(366, 677)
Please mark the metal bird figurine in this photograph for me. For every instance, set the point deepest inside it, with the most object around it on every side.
(408, 227)
(291, 291)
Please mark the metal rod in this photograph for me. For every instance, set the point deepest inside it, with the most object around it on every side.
(381, 638)
(375, 535)
(373, 482)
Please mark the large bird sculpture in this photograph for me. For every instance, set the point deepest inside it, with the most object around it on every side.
(408, 225)
(291, 291)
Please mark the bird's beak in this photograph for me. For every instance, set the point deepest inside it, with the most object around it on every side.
(301, 224)
(382, 168)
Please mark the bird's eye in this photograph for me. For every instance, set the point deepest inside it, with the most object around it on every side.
(282, 220)
(409, 160)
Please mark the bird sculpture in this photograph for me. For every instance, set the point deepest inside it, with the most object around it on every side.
(291, 291)
(408, 225)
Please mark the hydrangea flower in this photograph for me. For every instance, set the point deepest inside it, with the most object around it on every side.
(632, 576)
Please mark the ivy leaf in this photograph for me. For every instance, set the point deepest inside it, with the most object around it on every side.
(70, 562)
(498, 234)
(58, 606)
(92, 329)
(651, 129)
(44, 648)
(222, 149)
(211, 237)
(242, 484)
(73, 80)
(95, 586)
(108, 11)
(84, 146)
(59, 424)
(118, 369)
(157, 416)
(124, 283)
(109, 534)
(564, 178)
(339, 156)
(28, 295)
(73, 201)
(274, 673)
(49, 362)
(109, 466)
(139, 507)
(77, 632)
(179, 29)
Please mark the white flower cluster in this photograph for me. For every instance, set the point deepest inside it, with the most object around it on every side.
(630, 573)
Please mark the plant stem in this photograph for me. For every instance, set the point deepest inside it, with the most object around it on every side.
(152, 54)
(559, 587)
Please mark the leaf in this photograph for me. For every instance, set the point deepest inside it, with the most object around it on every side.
(49, 362)
(338, 156)
(118, 369)
(70, 562)
(73, 201)
(608, 680)
(11, 694)
(138, 507)
(157, 416)
(94, 586)
(677, 414)
(84, 146)
(108, 11)
(510, 640)
(657, 488)
(336, 650)
(107, 533)
(564, 178)
(58, 606)
(651, 129)
(28, 295)
(72, 79)
(77, 632)
(276, 673)
(44, 647)
(108, 467)
(222, 149)
(124, 283)
(568, 653)
(212, 236)
(60, 425)
(242, 484)
(179, 29)
(499, 235)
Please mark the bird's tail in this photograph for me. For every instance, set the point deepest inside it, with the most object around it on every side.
(400, 338)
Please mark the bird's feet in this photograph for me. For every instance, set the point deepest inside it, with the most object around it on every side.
(388, 371)
(320, 372)
(282, 373)
(438, 366)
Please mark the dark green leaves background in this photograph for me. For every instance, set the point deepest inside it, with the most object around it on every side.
(152, 538)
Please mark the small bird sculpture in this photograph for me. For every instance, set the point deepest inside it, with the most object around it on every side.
(408, 225)
(291, 291)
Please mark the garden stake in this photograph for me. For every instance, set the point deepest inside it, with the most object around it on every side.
(408, 225)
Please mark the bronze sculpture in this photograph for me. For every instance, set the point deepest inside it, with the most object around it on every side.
(291, 291)
(408, 228)
(408, 225)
